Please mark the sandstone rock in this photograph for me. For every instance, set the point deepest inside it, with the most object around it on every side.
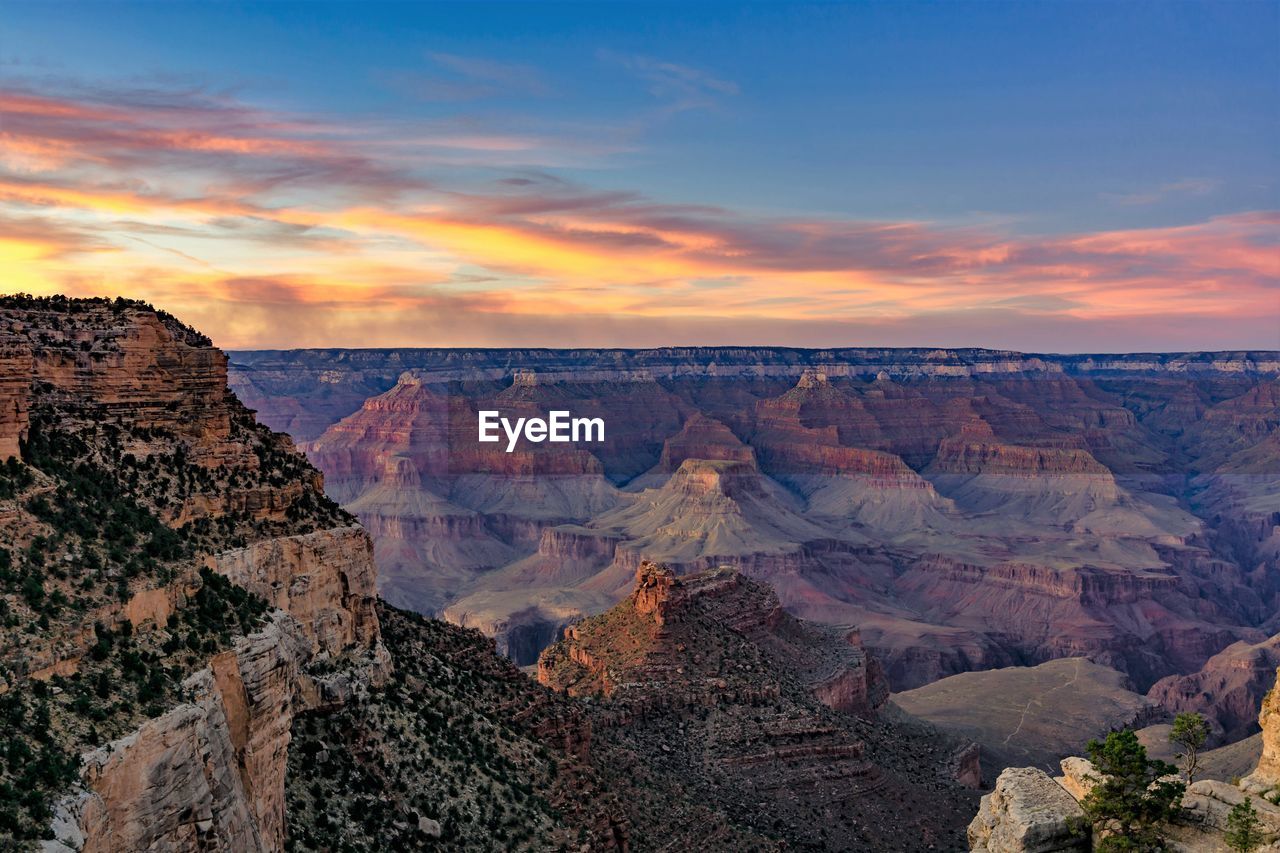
(326, 580)
(209, 774)
(1267, 775)
(1077, 776)
(1210, 801)
(1027, 812)
(429, 827)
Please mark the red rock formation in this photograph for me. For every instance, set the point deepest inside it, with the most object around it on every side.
(1227, 690)
(131, 365)
(703, 438)
(1064, 478)
(781, 694)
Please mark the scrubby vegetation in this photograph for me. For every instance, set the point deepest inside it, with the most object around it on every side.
(124, 677)
(80, 540)
(74, 306)
(434, 756)
(1244, 832)
(460, 750)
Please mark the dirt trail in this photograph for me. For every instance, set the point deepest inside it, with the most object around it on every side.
(1035, 699)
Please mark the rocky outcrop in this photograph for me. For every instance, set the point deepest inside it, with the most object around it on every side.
(1028, 812)
(325, 580)
(1207, 805)
(645, 646)
(126, 363)
(208, 774)
(708, 675)
(1267, 774)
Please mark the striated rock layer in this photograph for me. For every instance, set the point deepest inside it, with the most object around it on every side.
(119, 393)
(966, 508)
(776, 720)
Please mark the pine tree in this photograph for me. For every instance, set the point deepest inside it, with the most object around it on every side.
(1189, 732)
(1132, 796)
(1243, 832)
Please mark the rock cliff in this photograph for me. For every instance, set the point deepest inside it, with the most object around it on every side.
(194, 587)
(1267, 774)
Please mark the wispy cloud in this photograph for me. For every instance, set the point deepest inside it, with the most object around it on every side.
(271, 228)
(467, 78)
(678, 86)
(1163, 192)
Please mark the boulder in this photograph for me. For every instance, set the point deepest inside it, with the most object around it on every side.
(1078, 776)
(1028, 812)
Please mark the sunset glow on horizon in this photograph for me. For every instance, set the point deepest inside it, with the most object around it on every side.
(603, 179)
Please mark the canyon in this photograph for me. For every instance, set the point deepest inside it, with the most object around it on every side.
(202, 644)
(965, 509)
(195, 656)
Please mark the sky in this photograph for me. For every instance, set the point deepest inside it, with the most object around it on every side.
(1042, 176)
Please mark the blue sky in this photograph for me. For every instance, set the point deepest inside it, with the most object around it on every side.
(1046, 121)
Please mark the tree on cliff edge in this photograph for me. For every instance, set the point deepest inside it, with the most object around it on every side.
(1132, 797)
(1189, 732)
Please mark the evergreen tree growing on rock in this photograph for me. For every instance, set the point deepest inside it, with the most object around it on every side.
(1243, 832)
(1133, 795)
(1189, 732)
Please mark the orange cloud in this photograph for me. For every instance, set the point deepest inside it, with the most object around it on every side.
(275, 230)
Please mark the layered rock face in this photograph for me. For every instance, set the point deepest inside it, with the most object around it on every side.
(128, 424)
(119, 361)
(1226, 690)
(952, 503)
(325, 580)
(208, 774)
(774, 718)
